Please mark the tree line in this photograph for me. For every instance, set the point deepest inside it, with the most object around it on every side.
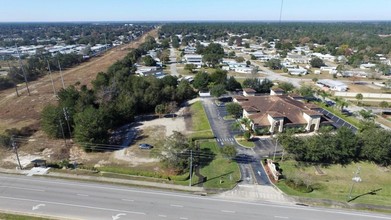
(116, 97)
(342, 146)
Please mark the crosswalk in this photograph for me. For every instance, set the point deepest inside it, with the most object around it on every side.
(225, 140)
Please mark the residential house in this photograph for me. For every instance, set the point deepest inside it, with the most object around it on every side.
(195, 59)
(332, 85)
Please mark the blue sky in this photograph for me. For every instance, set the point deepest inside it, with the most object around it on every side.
(192, 10)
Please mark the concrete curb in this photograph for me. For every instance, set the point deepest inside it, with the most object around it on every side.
(111, 180)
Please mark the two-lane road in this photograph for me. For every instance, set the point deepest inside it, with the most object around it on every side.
(81, 200)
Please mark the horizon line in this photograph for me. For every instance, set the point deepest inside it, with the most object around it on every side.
(196, 21)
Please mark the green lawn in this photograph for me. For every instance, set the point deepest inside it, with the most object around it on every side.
(337, 181)
(221, 173)
(243, 142)
(200, 123)
(19, 217)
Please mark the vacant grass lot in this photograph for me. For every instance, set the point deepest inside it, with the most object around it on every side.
(200, 123)
(336, 182)
(221, 173)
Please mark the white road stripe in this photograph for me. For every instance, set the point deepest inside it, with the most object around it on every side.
(72, 205)
(84, 195)
(21, 188)
(179, 206)
(163, 216)
(183, 218)
(283, 217)
(227, 211)
(128, 200)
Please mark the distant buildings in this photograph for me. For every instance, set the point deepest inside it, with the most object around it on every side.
(332, 85)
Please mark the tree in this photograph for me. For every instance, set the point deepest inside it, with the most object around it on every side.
(234, 109)
(175, 151)
(367, 114)
(383, 104)
(316, 62)
(213, 53)
(184, 91)
(149, 61)
(233, 84)
(175, 41)
(219, 76)
(274, 64)
(190, 67)
(306, 91)
(91, 128)
(253, 57)
(50, 121)
(341, 103)
(201, 81)
(359, 97)
(286, 86)
(217, 90)
(239, 59)
(258, 85)
(376, 145)
(229, 151)
(160, 110)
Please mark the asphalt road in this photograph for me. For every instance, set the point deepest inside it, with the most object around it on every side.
(81, 200)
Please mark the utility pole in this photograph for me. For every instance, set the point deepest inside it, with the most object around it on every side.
(51, 79)
(191, 166)
(62, 79)
(62, 131)
(355, 179)
(66, 115)
(21, 66)
(15, 148)
(16, 85)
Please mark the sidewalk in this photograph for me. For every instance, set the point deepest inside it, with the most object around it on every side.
(255, 193)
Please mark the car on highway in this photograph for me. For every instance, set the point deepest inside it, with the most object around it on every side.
(145, 146)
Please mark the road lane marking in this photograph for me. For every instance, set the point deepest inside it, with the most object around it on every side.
(84, 195)
(179, 206)
(228, 211)
(116, 217)
(162, 216)
(128, 200)
(21, 188)
(37, 206)
(95, 186)
(183, 218)
(283, 217)
(72, 205)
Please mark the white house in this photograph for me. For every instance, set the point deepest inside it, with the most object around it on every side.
(297, 71)
(333, 85)
(195, 59)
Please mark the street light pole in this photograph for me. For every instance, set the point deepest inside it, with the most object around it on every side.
(191, 166)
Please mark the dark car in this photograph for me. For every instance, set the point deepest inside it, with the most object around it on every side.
(329, 103)
(145, 146)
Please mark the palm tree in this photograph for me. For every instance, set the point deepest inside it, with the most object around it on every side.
(341, 103)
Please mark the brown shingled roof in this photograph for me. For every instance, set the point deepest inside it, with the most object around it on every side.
(277, 106)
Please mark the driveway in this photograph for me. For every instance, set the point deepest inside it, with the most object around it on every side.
(173, 69)
(251, 170)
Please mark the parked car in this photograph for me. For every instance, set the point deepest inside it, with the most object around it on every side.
(329, 103)
(145, 146)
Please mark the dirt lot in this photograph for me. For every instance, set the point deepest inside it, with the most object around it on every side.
(17, 112)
